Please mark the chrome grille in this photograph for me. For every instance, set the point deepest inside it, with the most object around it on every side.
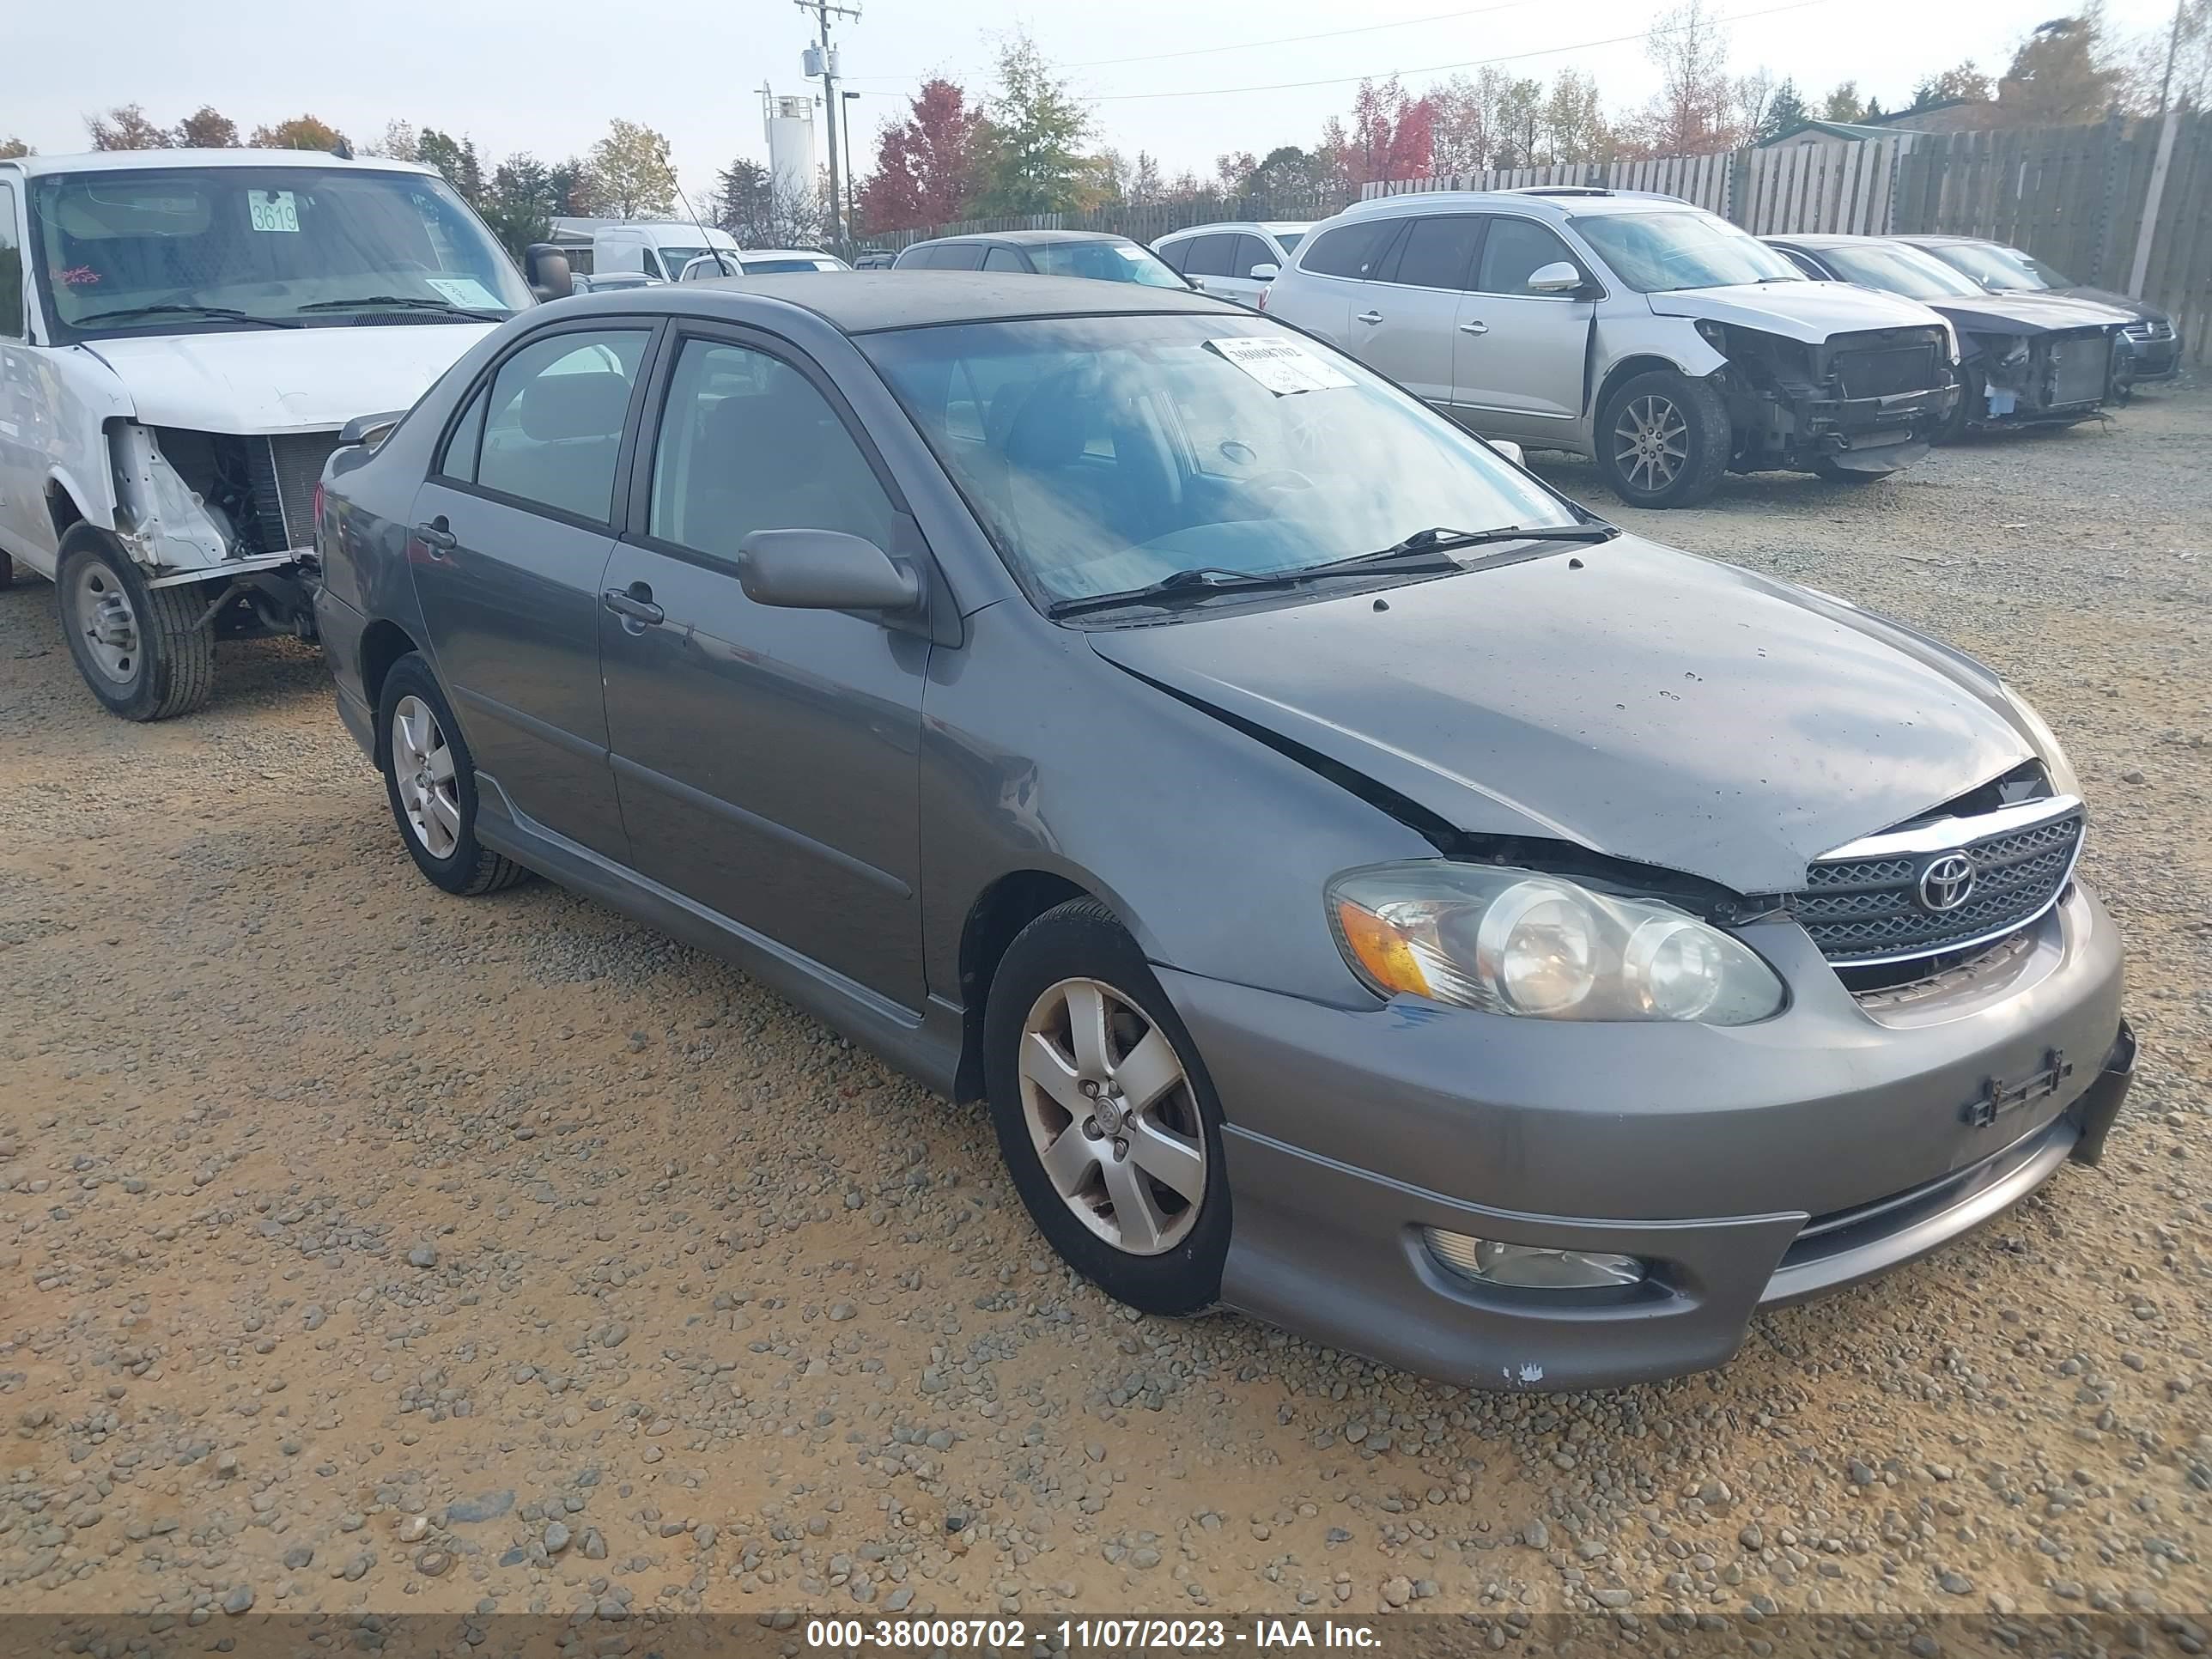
(1868, 907)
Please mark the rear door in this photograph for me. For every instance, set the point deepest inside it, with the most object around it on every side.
(511, 535)
(767, 758)
(1404, 325)
(1520, 355)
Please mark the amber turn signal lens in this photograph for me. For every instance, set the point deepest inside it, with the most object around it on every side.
(1381, 950)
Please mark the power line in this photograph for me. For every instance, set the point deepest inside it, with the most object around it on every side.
(1438, 69)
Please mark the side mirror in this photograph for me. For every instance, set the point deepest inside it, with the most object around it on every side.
(1558, 277)
(823, 570)
(545, 268)
(1266, 272)
(369, 429)
(1511, 451)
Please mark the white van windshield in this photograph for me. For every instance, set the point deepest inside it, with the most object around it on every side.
(179, 249)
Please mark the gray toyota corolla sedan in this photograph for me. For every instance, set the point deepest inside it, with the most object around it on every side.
(1369, 890)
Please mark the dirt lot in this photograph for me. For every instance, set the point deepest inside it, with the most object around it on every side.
(363, 1249)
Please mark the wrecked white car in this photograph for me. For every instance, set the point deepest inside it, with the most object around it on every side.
(183, 335)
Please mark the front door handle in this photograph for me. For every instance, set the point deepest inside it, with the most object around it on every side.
(633, 604)
(1474, 328)
(1368, 317)
(436, 537)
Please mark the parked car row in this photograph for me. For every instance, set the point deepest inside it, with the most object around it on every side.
(931, 646)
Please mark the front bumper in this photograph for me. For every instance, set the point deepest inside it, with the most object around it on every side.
(2146, 362)
(1748, 1166)
(1869, 433)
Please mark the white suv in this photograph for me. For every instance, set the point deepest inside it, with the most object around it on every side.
(1657, 338)
(1234, 261)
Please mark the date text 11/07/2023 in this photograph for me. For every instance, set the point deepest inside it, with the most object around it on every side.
(1087, 1636)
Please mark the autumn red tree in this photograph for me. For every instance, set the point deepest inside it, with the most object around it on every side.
(929, 168)
(1391, 135)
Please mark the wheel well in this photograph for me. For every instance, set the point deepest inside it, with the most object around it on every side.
(1626, 369)
(61, 508)
(1001, 911)
(382, 644)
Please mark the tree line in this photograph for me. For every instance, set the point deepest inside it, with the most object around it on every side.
(1029, 145)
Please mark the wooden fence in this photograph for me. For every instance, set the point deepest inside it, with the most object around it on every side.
(1848, 189)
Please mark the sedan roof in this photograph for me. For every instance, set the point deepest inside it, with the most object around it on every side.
(920, 298)
(1030, 237)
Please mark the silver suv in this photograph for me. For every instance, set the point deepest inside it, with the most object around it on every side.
(1657, 338)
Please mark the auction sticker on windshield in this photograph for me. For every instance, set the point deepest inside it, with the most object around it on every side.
(272, 210)
(1281, 366)
(465, 291)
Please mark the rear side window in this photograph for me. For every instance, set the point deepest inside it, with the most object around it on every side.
(959, 256)
(916, 258)
(1004, 258)
(11, 269)
(1350, 250)
(1172, 254)
(1439, 251)
(554, 422)
(1515, 250)
(1209, 256)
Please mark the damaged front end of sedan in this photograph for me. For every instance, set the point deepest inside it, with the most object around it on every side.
(2045, 377)
(1863, 403)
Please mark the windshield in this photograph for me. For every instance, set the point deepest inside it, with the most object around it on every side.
(1661, 252)
(1109, 262)
(261, 241)
(769, 267)
(1899, 269)
(1106, 452)
(2004, 269)
(673, 260)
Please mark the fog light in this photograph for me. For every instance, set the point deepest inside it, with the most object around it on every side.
(1491, 1262)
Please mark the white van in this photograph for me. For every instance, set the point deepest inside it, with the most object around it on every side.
(659, 250)
(183, 336)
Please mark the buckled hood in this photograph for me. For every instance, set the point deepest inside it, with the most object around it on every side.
(1649, 705)
(1808, 311)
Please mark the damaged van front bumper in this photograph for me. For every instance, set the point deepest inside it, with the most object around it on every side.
(1741, 1168)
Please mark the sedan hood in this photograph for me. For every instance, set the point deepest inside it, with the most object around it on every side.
(1807, 310)
(2105, 296)
(2026, 313)
(282, 380)
(1649, 705)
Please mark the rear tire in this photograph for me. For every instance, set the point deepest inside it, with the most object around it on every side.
(142, 649)
(1663, 439)
(1971, 397)
(430, 779)
(1113, 1138)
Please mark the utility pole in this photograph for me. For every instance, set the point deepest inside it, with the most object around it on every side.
(2172, 52)
(852, 167)
(824, 10)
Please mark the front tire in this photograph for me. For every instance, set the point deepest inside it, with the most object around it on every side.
(142, 650)
(1106, 1121)
(430, 779)
(1663, 439)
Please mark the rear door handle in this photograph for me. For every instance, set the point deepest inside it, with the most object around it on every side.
(633, 604)
(436, 537)
(1368, 317)
(1474, 328)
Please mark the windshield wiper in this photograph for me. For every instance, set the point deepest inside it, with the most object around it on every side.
(1181, 586)
(1443, 538)
(410, 302)
(182, 308)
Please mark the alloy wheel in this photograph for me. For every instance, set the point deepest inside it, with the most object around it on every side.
(1110, 1112)
(100, 610)
(423, 767)
(1651, 443)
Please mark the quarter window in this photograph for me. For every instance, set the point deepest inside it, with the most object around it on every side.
(747, 442)
(1439, 251)
(1350, 250)
(460, 460)
(1515, 250)
(554, 422)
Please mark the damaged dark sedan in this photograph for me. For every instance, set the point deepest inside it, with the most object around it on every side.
(1369, 890)
(2025, 359)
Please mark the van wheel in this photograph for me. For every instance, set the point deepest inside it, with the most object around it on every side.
(431, 781)
(7, 571)
(1106, 1118)
(1662, 439)
(142, 650)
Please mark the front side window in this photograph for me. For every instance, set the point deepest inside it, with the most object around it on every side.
(1514, 251)
(1250, 251)
(11, 269)
(1175, 255)
(747, 442)
(1207, 256)
(1681, 248)
(1110, 262)
(1899, 269)
(1439, 251)
(553, 425)
(169, 250)
(1350, 250)
(1104, 452)
(1004, 258)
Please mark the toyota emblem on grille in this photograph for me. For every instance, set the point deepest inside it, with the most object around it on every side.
(1945, 882)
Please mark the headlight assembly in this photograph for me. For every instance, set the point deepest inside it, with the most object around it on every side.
(1518, 942)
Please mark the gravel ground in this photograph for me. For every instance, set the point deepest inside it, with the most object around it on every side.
(363, 1249)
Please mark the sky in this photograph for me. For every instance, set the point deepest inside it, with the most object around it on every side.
(1159, 75)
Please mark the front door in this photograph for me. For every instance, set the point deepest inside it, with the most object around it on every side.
(1404, 324)
(1520, 356)
(767, 758)
(512, 534)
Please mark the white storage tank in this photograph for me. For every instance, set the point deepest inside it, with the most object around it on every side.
(790, 145)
